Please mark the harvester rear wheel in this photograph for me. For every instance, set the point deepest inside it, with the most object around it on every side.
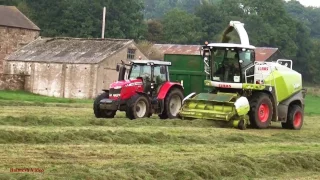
(139, 107)
(294, 119)
(261, 110)
(172, 104)
(101, 113)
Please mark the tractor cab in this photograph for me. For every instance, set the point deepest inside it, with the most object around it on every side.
(152, 73)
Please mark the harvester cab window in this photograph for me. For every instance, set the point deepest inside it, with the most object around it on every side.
(229, 69)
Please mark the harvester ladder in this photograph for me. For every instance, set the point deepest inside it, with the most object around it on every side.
(207, 69)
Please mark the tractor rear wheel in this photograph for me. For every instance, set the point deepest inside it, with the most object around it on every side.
(172, 104)
(294, 118)
(102, 113)
(139, 107)
(261, 110)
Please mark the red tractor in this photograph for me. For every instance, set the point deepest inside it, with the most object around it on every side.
(143, 90)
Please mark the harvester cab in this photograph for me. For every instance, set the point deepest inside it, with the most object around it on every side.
(245, 91)
(143, 88)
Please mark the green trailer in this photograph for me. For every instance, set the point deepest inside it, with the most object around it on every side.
(188, 70)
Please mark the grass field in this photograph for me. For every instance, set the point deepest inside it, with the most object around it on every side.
(63, 138)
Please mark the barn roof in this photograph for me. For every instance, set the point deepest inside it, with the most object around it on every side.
(178, 49)
(69, 50)
(10, 16)
(262, 53)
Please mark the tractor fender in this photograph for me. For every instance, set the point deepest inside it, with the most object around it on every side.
(166, 87)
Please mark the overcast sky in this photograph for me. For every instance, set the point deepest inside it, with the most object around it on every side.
(309, 2)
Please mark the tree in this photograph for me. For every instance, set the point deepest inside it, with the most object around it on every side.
(307, 15)
(213, 21)
(83, 18)
(155, 31)
(181, 27)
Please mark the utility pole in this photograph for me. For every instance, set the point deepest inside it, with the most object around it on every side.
(103, 22)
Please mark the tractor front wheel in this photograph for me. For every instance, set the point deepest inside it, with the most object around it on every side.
(294, 118)
(102, 113)
(261, 110)
(172, 104)
(139, 107)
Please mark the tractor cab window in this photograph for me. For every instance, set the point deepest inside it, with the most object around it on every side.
(226, 66)
(138, 70)
(159, 77)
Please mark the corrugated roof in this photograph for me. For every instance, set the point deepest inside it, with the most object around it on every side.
(10, 16)
(69, 50)
(178, 49)
(262, 53)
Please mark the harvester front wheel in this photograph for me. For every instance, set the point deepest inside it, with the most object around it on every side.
(102, 113)
(294, 118)
(139, 107)
(172, 104)
(261, 110)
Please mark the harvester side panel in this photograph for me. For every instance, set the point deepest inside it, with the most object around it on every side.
(286, 82)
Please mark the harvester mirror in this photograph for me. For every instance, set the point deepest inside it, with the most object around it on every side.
(118, 68)
(162, 70)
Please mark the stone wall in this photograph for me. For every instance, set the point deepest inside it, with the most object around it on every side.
(12, 39)
(56, 79)
(13, 81)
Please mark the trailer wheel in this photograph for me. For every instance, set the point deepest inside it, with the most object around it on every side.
(138, 108)
(172, 104)
(102, 113)
(294, 118)
(261, 110)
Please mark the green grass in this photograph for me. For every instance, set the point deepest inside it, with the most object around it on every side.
(30, 97)
(312, 105)
(68, 142)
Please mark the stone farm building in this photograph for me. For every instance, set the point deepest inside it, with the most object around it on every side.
(16, 30)
(71, 67)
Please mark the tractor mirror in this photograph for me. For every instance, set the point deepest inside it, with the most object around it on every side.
(162, 70)
(118, 68)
